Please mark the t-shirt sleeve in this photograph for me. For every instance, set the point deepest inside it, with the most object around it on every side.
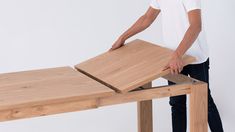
(192, 4)
(154, 4)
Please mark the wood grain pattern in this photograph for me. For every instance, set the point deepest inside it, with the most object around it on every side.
(40, 87)
(199, 108)
(145, 113)
(130, 66)
(34, 75)
(52, 95)
(46, 109)
(179, 78)
(67, 105)
(145, 94)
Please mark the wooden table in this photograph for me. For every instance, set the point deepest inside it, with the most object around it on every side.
(116, 77)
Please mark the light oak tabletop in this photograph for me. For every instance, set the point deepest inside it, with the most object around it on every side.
(37, 87)
(130, 66)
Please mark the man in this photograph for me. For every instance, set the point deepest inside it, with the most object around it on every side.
(182, 31)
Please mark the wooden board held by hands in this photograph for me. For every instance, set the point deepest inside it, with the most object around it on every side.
(130, 66)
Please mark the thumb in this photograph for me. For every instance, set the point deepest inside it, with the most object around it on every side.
(165, 67)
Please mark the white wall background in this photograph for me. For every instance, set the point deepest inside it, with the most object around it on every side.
(38, 34)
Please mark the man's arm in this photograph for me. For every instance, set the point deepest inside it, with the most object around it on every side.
(192, 32)
(176, 63)
(140, 25)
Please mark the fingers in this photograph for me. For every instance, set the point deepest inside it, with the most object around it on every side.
(175, 65)
(179, 68)
(175, 68)
(114, 47)
(166, 67)
(111, 49)
(172, 71)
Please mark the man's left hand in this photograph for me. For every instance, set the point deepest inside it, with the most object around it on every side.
(175, 64)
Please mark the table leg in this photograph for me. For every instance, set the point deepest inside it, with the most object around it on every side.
(199, 108)
(145, 118)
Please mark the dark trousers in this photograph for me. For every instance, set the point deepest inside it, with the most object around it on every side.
(178, 103)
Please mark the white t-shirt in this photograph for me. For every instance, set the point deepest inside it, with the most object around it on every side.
(175, 24)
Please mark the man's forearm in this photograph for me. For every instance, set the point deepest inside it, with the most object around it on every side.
(189, 38)
(192, 32)
(141, 24)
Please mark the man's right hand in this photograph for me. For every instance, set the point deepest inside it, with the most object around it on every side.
(119, 43)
